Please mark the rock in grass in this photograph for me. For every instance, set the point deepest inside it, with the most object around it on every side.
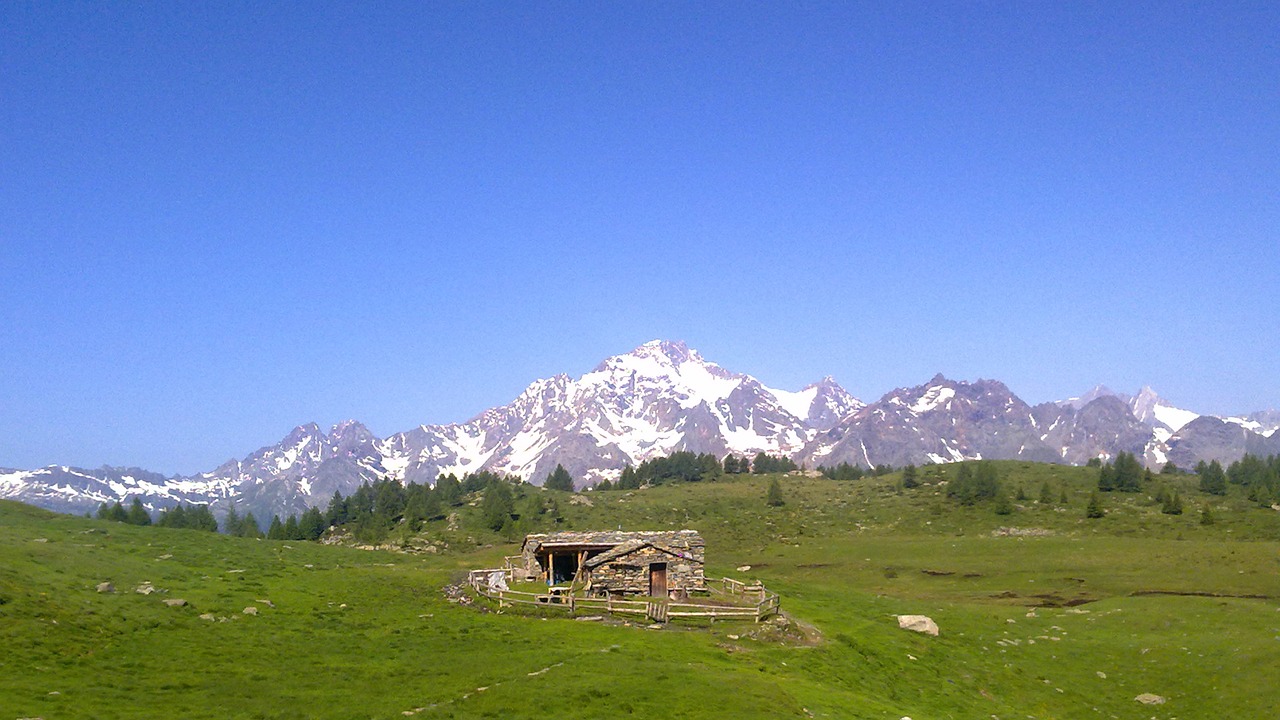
(251, 610)
(106, 587)
(1149, 699)
(209, 616)
(918, 623)
(175, 602)
(145, 588)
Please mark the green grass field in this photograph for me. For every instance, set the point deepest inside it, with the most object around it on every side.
(1063, 617)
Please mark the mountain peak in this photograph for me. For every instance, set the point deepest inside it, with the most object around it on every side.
(674, 350)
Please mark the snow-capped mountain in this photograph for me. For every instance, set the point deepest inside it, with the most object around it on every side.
(659, 398)
(663, 397)
(946, 421)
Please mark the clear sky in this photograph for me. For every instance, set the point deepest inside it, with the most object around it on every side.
(219, 220)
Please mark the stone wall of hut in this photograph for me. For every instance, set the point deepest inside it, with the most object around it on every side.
(629, 573)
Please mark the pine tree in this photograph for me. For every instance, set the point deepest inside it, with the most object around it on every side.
(231, 523)
(1046, 493)
(559, 479)
(761, 464)
(200, 517)
(1002, 505)
(249, 527)
(1213, 480)
(1094, 509)
(910, 479)
(336, 514)
(138, 514)
(498, 505)
(773, 497)
(1107, 478)
(291, 531)
(311, 525)
(604, 485)
(1172, 504)
(1206, 515)
(275, 531)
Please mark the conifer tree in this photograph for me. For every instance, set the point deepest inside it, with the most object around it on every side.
(1094, 508)
(1213, 480)
(1172, 504)
(1003, 506)
(291, 531)
(138, 514)
(275, 531)
(1046, 493)
(1206, 515)
(773, 497)
(1107, 478)
(498, 505)
(311, 525)
(249, 527)
(559, 479)
(336, 514)
(910, 479)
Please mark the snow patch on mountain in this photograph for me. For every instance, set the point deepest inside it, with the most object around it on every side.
(932, 398)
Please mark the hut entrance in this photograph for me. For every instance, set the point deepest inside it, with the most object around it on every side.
(658, 580)
(564, 567)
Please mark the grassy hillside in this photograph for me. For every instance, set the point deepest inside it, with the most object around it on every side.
(1060, 617)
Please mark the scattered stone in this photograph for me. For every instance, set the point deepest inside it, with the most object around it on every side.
(918, 623)
(581, 500)
(744, 568)
(145, 588)
(1102, 675)
(208, 616)
(42, 540)
(268, 603)
(251, 610)
(106, 587)
(590, 618)
(1020, 532)
(733, 637)
(166, 556)
(1149, 699)
(656, 626)
(175, 602)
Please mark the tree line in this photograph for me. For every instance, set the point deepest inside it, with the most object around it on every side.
(194, 517)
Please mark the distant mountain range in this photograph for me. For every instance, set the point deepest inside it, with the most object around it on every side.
(663, 397)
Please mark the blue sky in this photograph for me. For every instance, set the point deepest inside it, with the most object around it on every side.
(220, 222)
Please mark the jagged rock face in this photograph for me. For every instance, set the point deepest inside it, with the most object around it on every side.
(1210, 438)
(941, 421)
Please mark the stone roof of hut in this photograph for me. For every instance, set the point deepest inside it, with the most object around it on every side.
(631, 546)
(612, 538)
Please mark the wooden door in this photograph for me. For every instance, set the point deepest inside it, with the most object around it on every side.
(658, 580)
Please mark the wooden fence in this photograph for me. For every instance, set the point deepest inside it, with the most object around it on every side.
(758, 603)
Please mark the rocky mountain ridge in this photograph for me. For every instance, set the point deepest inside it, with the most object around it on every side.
(663, 397)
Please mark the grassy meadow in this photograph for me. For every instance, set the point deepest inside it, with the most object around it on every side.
(1043, 614)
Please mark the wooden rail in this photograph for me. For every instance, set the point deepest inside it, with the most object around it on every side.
(767, 603)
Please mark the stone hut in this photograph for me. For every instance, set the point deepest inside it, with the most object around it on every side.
(656, 564)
